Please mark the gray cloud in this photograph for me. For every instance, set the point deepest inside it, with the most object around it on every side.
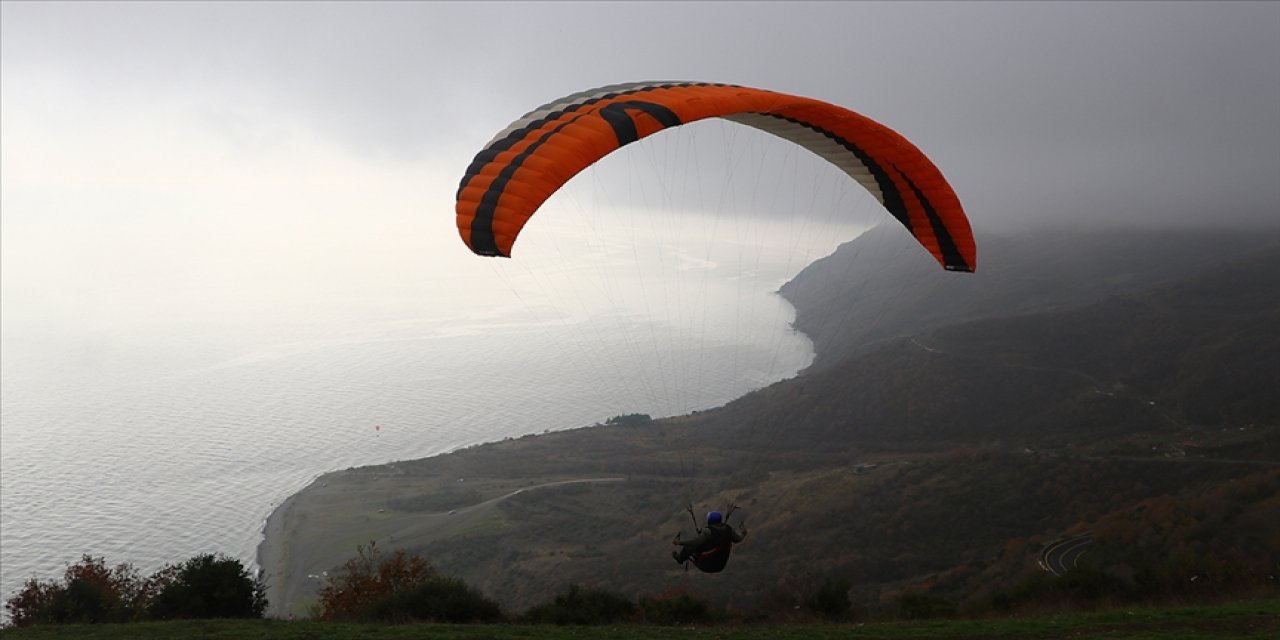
(1087, 111)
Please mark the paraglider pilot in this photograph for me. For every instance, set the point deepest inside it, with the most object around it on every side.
(709, 550)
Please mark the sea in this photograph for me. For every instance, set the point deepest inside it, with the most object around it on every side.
(150, 412)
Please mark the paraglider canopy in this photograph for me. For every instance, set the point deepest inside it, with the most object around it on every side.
(532, 158)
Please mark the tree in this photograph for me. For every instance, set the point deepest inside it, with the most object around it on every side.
(397, 588)
(629, 420)
(89, 592)
(207, 586)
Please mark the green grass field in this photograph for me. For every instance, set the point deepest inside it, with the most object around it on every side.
(1245, 620)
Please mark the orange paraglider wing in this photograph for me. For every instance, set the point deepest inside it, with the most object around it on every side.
(529, 160)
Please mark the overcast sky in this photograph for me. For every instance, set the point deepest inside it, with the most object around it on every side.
(185, 127)
(1146, 108)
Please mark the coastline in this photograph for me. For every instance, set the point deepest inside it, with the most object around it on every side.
(355, 499)
(272, 554)
(292, 580)
(319, 527)
(351, 505)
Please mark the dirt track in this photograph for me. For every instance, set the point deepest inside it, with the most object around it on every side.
(295, 557)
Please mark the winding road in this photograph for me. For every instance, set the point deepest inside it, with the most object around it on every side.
(1061, 555)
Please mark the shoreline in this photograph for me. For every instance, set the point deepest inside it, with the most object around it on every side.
(272, 554)
(353, 504)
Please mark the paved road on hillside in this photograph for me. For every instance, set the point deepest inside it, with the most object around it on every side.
(1060, 556)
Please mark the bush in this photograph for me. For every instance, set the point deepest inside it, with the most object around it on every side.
(436, 600)
(33, 604)
(352, 592)
(1084, 583)
(920, 606)
(831, 599)
(1079, 585)
(583, 606)
(207, 586)
(629, 420)
(401, 588)
(89, 593)
(675, 607)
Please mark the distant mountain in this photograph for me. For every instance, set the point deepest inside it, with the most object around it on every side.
(951, 424)
(881, 285)
(1148, 346)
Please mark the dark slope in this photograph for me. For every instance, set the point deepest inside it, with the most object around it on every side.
(881, 286)
(1202, 351)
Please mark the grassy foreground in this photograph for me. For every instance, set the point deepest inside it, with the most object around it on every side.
(1254, 619)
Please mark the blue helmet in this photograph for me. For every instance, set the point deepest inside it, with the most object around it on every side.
(714, 517)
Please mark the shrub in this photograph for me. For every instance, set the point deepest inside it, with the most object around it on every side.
(1081, 585)
(920, 606)
(207, 586)
(831, 599)
(583, 606)
(400, 588)
(366, 579)
(439, 599)
(629, 420)
(1085, 583)
(89, 593)
(676, 607)
(33, 604)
